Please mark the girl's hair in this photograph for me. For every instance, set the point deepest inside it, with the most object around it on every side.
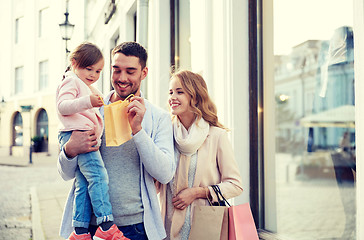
(86, 54)
(200, 103)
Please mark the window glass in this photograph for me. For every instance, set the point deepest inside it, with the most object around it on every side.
(43, 75)
(18, 80)
(18, 29)
(40, 23)
(42, 129)
(18, 130)
(181, 47)
(315, 164)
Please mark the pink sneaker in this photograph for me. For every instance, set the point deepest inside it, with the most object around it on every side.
(74, 236)
(112, 234)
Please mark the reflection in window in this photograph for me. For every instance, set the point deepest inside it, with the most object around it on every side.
(315, 129)
(181, 45)
(18, 130)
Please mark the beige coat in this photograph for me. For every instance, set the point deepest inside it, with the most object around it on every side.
(215, 165)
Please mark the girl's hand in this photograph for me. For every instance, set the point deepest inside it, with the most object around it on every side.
(96, 100)
(184, 198)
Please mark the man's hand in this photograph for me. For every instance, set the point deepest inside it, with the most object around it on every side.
(136, 110)
(80, 142)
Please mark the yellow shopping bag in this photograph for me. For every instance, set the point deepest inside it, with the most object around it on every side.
(117, 128)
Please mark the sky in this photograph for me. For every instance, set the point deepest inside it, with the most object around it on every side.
(296, 21)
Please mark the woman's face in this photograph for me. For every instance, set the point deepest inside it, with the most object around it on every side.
(179, 99)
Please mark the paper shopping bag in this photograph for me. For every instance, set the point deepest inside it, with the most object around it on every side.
(117, 128)
(241, 223)
(209, 222)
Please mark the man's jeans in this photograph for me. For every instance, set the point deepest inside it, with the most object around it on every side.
(91, 188)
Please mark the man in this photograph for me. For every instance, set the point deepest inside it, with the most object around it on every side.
(135, 165)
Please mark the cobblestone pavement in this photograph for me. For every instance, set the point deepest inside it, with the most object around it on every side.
(15, 204)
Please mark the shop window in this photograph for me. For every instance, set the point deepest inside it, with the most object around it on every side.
(42, 132)
(18, 130)
(310, 176)
(180, 34)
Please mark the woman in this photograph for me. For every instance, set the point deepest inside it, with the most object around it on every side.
(203, 153)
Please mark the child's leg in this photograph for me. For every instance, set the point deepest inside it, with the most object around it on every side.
(92, 167)
(82, 204)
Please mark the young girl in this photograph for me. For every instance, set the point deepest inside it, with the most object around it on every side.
(204, 155)
(77, 107)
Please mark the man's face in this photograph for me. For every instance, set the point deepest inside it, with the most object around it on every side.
(127, 75)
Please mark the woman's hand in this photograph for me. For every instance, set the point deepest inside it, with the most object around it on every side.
(184, 198)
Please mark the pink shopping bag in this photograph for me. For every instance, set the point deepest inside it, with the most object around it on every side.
(241, 223)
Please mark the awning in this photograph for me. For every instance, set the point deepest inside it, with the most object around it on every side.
(343, 116)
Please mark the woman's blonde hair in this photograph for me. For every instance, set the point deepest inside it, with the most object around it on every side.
(200, 103)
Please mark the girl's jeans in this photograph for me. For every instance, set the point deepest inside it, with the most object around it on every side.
(91, 188)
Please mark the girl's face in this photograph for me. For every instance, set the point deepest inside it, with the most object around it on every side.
(179, 100)
(90, 74)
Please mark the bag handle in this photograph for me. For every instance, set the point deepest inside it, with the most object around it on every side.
(130, 96)
(218, 193)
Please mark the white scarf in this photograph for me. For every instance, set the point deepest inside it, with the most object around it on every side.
(187, 142)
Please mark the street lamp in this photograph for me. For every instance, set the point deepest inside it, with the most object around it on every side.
(66, 28)
(28, 108)
(2, 102)
(2, 106)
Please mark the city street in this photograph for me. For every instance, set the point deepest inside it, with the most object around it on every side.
(18, 177)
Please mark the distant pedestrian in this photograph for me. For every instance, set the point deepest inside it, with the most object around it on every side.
(345, 144)
(77, 107)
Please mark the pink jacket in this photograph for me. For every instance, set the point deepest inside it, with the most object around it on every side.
(74, 107)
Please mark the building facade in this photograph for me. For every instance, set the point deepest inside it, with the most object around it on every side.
(230, 43)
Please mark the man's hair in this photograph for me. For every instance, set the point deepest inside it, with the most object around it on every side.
(132, 49)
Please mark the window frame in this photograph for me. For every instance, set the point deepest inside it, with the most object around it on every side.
(256, 117)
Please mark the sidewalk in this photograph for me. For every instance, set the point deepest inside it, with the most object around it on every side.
(47, 199)
(51, 200)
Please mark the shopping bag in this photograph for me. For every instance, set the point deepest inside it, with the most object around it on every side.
(209, 222)
(117, 128)
(241, 223)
